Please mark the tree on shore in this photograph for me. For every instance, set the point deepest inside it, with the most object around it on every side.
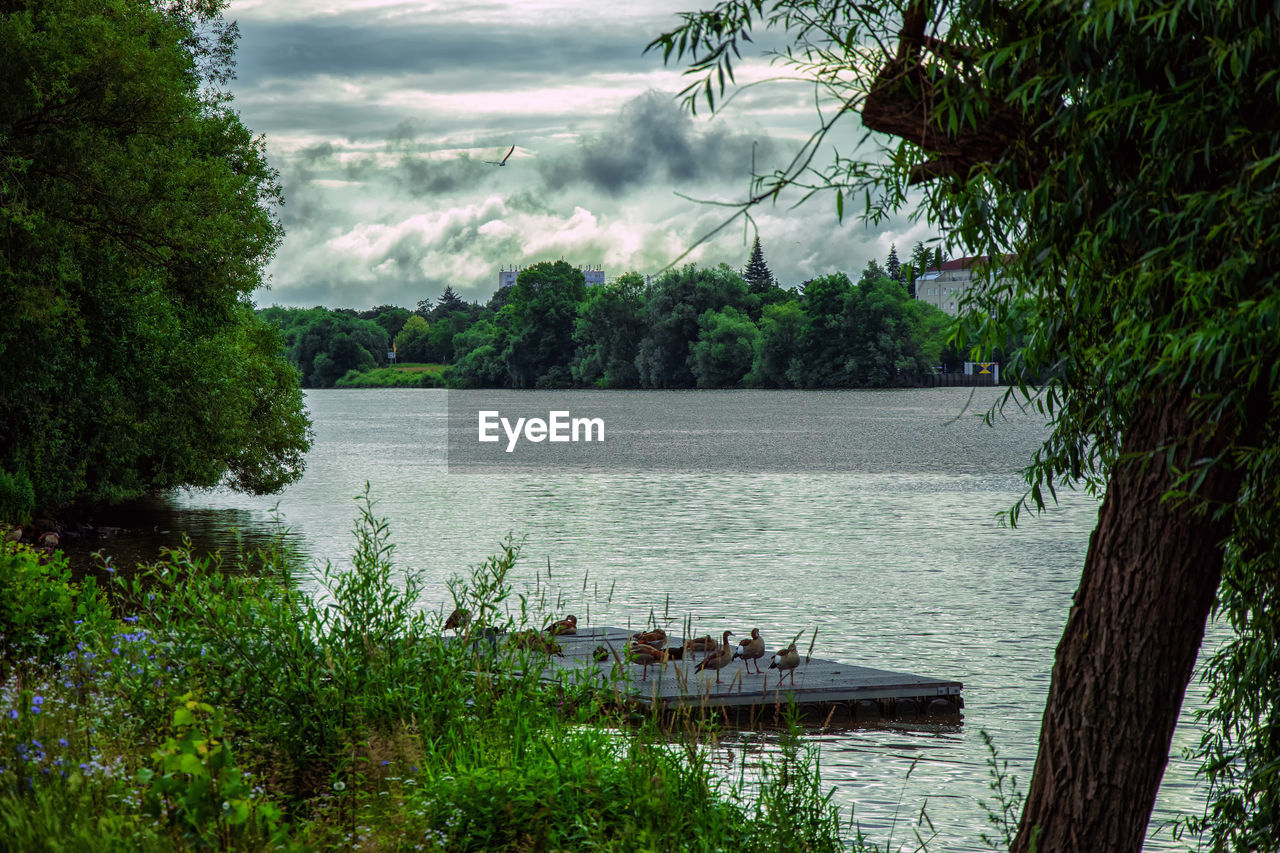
(893, 266)
(757, 274)
(1127, 160)
(448, 303)
(136, 218)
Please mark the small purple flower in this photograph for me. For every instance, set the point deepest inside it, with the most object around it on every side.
(37, 700)
(13, 715)
(62, 741)
(385, 763)
(130, 619)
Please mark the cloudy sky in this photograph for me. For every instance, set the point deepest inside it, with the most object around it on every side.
(380, 114)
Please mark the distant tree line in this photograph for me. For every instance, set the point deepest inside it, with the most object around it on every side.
(693, 327)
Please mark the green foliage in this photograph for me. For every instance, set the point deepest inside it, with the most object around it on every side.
(539, 317)
(673, 310)
(413, 342)
(780, 328)
(195, 789)
(479, 356)
(390, 317)
(324, 345)
(550, 331)
(42, 613)
(1240, 748)
(17, 497)
(893, 266)
(756, 273)
(725, 348)
(608, 331)
(137, 217)
(447, 304)
(1003, 816)
(404, 376)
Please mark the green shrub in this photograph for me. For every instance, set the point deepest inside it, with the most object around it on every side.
(42, 613)
(195, 789)
(17, 498)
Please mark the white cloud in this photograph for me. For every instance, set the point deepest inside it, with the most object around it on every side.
(380, 115)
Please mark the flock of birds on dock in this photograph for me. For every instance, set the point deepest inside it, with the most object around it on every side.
(647, 648)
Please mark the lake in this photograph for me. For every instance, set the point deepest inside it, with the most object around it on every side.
(872, 516)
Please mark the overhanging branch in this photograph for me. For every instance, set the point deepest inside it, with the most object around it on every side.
(908, 97)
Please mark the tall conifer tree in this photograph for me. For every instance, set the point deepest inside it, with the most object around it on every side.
(759, 278)
(893, 266)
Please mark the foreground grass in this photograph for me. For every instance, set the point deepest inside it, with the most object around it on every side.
(208, 704)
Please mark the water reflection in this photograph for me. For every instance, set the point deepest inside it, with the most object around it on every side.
(137, 531)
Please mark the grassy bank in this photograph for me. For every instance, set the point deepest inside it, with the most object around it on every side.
(207, 703)
(400, 376)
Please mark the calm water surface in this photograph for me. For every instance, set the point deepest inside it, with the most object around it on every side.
(900, 561)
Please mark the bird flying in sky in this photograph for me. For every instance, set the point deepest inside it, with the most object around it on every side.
(503, 161)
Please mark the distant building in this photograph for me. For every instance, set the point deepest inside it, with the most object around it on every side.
(507, 275)
(945, 287)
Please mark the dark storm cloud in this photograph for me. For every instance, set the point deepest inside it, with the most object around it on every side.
(654, 139)
(355, 44)
(419, 177)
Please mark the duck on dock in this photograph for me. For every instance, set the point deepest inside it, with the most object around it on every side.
(458, 620)
(786, 659)
(532, 640)
(751, 649)
(567, 625)
(719, 659)
(700, 644)
(656, 638)
(645, 655)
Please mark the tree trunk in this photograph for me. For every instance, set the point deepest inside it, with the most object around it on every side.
(1129, 647)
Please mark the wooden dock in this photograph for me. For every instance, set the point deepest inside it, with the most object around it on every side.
(822, 687)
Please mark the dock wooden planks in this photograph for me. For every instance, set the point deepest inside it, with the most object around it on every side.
(862, 692)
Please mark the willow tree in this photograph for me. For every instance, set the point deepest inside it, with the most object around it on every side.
(1127, 157)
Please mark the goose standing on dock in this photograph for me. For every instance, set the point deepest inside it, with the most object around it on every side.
(786, 659)
(751, 649)
(719, 659)
(645, 654)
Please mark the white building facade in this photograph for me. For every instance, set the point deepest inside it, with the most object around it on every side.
(944, 288)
